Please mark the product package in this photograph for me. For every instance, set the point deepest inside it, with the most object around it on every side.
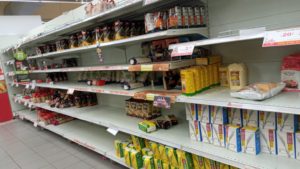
(136, 159)
(287, 122)
(119, 149)
(147, 126)
(138, 143)
(172, 156)
(218, 135)
(290, 72)
(223, 75)
(195, 130)
(158, 164)
(127, 156)
(146, 151)
(175, 18)
(198, 162)
(191, 111)
(250, 118)
(286, 144)
(203, 113)
(148, 162)
(238, 76)
(267, 120)
(185, 159)
(163, 154)
(233, 138)
(250, 140)
(154, 147)
(235, 116)
(206, 132)
(259, 91)
(219, 115)
(297, 140)
(268, 141)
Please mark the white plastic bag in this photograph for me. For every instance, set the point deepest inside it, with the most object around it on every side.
(259, 91)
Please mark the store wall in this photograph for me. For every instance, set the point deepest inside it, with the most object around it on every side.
(231, 15)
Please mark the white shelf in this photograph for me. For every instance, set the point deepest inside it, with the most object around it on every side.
(129, 41)
(285, 102)
(92, 137)
(215, 41)
(82, 69)
(177, 136)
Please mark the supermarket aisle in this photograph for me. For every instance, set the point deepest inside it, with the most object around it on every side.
(25, 147)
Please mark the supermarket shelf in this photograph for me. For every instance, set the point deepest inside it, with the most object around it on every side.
(113, 89)
(215, 41)
(83, 69)
(285, 102)
(160, 66)
(164, 66)
(129, 41)
(92, 137)
(177, 136)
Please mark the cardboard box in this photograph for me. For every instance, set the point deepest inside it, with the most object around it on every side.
(191, 111)
(235, 117)
(195, 132)
(206, 132)
(286, 144)
(267, 120)
(287, 122)
(218, 135)
(233, 137)
(203, 113)
(208, 60)
(297, 140)
(250, 118)
(250, 140)
(219, 115)
(268, 141)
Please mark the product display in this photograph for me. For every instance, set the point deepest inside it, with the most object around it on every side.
(142, 109)
(238, 76)
(48, 117)
(158, 156)
(290, 73)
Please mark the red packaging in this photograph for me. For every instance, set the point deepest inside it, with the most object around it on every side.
(290, 72)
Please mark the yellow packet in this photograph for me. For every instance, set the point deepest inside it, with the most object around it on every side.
(148, 162)
(146, 151)
(154, 149)
(172, 156)
(198, 162)
(138, 142)
(187, 82)
(127, 157)
(224, 166)
(136, 159)
(185, 160)
(158, 164)
(162, 152)
(118, 148)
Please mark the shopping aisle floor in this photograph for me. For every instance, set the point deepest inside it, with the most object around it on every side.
(24, 147)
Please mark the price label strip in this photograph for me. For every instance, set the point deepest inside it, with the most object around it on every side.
(282, 38)
(183, 50)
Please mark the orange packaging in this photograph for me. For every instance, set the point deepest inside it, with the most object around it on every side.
(175, 17)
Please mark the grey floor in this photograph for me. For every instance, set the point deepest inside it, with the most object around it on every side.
(24, 147)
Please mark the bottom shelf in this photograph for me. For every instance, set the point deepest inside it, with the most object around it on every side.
(88, 135)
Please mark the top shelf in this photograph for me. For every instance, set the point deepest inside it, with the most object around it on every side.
(128, 41)
(285, 102)
(133, 8)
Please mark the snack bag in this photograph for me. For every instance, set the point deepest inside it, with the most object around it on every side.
(154, 149)
(162, 152)
(127, 154)
(119, 149)
(198, 162)
(138, 142)
(172, 156)
(184, 159)
(158, 164)
(148, 162)
(136, 159)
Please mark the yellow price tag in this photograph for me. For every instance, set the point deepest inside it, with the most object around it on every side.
(146, 68)
(150, 97)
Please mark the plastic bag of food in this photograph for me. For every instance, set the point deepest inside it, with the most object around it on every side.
(259, 91)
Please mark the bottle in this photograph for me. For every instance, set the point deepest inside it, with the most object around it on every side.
(238, 77)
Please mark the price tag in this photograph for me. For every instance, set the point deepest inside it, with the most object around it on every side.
(183, 50)
(112, 131)
(30, 105)
(150, 96)
(162, 102)
(147, 2)
(17, 84)
(71, 91)
(26, 103)
(35, 124)
(146, 68)
(27, 86)
(21, 117)
(282, 38)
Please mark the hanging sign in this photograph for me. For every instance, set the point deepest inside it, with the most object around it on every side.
(183, 50)
(282, 37)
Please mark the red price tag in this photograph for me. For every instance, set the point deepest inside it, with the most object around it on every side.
(282, 38)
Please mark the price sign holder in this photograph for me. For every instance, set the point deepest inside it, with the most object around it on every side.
(282, 38)
(70, 91)
(183, 50)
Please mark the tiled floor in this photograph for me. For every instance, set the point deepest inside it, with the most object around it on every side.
(24, 147)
